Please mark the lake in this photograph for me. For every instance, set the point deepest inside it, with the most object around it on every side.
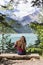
(30, 38)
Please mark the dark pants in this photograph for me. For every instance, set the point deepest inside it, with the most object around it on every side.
(21, 53)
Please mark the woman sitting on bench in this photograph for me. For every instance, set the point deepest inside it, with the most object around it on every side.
(21, 46)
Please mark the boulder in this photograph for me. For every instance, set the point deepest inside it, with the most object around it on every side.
(19, 57)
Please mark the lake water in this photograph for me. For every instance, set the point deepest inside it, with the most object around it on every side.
(30, 38)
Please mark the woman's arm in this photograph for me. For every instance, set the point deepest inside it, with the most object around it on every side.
(15, 45)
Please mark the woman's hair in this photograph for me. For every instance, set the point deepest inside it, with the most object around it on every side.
(21, 43)
(24, 39)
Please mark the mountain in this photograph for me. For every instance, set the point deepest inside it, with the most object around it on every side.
(25, 20)
(14, 25)
(24, 29)
(21, 25)
(29, 18)
(18, 27)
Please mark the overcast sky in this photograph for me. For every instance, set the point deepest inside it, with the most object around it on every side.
(22, 9)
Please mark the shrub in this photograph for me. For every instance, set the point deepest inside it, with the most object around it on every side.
(34, 50)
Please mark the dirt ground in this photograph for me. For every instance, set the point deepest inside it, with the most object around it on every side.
(22, 62)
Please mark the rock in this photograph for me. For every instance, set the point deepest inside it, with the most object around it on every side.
(33, 59)
(16, 56)
(36, 56)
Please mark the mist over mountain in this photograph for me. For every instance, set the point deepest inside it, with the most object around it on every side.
(22, 25)
(20, 16)
(29, 18)
(17, 26)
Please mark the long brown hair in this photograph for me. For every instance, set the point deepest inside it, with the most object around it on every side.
(21, 43)
(23, 39)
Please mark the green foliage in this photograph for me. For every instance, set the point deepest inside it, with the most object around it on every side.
(10, 47)
(34, 50)
(7, 46)
(38, 29)
(5, 26)
(41, 45)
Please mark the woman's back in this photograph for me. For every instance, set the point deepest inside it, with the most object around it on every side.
(21, 44)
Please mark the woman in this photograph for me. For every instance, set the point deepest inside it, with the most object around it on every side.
(21, 46)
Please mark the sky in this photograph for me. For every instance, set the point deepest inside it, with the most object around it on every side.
(22, 9)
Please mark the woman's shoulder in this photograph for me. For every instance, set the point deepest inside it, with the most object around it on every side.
(18, 41)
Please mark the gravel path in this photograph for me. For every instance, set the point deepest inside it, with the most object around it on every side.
(23, 62)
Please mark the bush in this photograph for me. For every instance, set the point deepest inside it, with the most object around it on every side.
(34, 50)
(28, 51)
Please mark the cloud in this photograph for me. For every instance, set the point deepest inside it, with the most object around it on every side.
(22, 9)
